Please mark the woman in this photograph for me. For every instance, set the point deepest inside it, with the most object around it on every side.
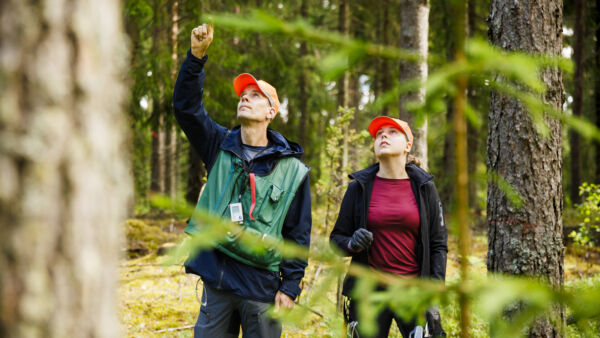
(391, 218)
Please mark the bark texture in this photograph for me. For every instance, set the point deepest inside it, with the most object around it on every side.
(414, 28)
(527, 240)
(64, 169)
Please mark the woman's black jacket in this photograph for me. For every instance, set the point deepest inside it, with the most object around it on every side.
(432, 244)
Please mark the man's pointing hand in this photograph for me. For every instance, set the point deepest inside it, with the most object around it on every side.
(202, 36)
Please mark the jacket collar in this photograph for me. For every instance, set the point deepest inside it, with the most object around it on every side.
(415, 173)
(279, 146)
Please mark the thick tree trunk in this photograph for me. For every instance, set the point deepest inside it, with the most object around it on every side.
(527, 240)
(64, 168)
(414, 28)
(578, 82)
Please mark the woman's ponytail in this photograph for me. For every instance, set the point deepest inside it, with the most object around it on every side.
(411, 158)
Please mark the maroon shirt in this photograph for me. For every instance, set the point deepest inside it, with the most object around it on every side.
(394, 221)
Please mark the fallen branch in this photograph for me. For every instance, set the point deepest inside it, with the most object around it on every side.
(175, 329)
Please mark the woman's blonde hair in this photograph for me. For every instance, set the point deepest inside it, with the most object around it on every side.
(412, 159)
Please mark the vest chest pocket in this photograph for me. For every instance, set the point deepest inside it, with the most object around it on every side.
(267, 210)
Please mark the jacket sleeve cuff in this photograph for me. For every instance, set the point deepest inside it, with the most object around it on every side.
(291, 288)
(350, 250)
(348, 247)
(196, 63)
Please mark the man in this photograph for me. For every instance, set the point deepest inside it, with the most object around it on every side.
(255, 178)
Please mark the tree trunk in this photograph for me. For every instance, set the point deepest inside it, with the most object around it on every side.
(303, 83)
(527, 240)
(382, 77)
(597, 86)
(172, 163)
(157, 183)
(446, 182)
(578, 82)
(472, 155)
(344, 81)
(414, 28)
(171, 174)
(64, 168)
(195, 173)
(344, 28)
(472, 132)
(158, 168)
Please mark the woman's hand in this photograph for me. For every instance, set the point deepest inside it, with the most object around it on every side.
(361, 240)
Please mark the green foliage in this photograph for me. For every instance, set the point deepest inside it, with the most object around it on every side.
(334, 163)
(589, 211)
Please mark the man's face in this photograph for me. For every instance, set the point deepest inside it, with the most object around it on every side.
(254, 106)
(390, 141)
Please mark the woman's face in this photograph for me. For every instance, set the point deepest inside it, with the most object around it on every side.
(390, 141)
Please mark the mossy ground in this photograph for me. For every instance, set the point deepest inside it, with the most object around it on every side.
(156, 297)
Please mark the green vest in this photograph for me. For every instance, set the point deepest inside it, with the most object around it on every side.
(228, 183)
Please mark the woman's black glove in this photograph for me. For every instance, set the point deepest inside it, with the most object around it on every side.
(361, 240)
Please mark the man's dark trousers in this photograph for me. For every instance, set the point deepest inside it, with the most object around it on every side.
(221, 313)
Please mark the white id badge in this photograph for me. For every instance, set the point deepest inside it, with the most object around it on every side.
(235, 209)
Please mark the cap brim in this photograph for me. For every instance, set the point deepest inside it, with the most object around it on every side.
(243, 81)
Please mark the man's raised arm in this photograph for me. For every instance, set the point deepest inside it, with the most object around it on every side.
(204, 134)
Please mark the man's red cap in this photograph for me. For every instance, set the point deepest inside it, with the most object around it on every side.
(244, 80)
(381, 121)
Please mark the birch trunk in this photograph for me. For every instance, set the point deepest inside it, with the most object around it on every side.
(414, 28)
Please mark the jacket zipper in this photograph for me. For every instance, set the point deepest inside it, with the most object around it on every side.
(221, 276)
(422, 236)
(367, 195)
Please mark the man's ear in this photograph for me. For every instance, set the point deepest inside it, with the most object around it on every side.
(408, 147)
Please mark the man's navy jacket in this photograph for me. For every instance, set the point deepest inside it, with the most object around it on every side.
(208, 138)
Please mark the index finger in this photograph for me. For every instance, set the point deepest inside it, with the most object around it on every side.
(210, 29)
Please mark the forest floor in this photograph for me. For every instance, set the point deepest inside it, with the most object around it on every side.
(158, 300)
